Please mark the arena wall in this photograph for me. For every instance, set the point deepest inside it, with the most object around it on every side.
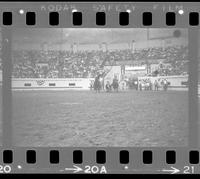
(51, 84)
(175, 82)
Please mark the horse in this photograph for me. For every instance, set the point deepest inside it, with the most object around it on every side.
(97, 84)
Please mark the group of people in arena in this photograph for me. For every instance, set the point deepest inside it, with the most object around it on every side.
(156, 85)
(85, 64)
(114, 86)
(98, 84)
(140, 85)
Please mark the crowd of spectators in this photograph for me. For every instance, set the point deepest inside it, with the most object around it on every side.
(68, 64)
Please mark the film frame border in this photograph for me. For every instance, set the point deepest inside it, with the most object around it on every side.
(182, 155)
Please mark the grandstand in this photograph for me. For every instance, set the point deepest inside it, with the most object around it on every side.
(53, 64)
(83, 64)
(67, 56)
(73, 57)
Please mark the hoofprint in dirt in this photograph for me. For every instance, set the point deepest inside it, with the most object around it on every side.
(89, 119)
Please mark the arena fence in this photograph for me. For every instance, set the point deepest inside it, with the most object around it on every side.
(174, 82)
(51, 84)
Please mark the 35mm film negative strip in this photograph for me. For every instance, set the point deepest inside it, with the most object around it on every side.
(99, 88)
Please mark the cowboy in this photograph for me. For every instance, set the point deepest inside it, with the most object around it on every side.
(156, 85)
(115, 83)
(140, 85)
(165, 82)
(91, 84)
(108, 86)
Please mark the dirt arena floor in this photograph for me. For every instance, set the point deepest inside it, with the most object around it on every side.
(86, 119)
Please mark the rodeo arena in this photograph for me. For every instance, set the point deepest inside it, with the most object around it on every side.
(107, 93)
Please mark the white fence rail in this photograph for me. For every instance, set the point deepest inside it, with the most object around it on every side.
(51, 84)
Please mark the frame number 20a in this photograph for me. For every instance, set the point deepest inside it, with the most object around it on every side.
(95, 169)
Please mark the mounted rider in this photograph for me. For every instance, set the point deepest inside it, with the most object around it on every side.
(115, 83)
